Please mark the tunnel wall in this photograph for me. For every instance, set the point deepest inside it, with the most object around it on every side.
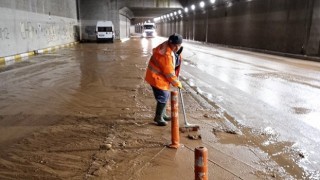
(36, 24)
(125, 15)
(313, 44)
(288, 26)
(117, 11)
(107, 10)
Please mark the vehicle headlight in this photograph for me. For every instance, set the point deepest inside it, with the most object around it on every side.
(144, 34)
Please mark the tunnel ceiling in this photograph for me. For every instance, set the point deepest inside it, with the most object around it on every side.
(142, 12)
(145, 13)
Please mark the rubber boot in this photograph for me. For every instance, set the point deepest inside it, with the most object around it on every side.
(159, 111)
(165, 116)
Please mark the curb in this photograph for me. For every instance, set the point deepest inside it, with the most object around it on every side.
(9, 60)
(314, 58)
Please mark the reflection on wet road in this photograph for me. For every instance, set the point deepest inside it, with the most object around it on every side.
(272, 94)
(260, 94)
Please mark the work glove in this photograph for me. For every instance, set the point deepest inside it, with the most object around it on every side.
(180, 50)
(180, 86)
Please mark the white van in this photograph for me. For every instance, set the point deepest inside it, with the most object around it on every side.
(149, 30)
(105, 31)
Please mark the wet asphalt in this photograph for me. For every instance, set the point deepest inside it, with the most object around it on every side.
(259, 94)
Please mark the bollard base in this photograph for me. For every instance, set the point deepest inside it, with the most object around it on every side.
(174, 146)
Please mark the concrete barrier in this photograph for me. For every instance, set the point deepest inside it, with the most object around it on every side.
(9, 60)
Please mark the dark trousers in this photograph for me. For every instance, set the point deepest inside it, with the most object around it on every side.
(161, 96)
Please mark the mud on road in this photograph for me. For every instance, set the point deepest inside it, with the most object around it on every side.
(86, 113)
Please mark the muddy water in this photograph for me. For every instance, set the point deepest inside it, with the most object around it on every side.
(86, 113)
(77, 113)
(272, 100)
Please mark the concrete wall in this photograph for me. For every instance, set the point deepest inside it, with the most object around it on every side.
(28, 25)
(313, 40)
(117, 11)
(110, 10)
(124, 16)
(289, 26)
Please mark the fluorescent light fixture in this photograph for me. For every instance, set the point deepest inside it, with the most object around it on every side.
(201, 4)
(157, 19)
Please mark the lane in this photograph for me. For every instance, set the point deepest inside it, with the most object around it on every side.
(31, 94)
(265, 93)
(272, 95)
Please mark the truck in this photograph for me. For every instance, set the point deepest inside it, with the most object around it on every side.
(105, 31)
(149, 30)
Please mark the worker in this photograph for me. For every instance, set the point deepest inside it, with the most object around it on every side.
(163, 69)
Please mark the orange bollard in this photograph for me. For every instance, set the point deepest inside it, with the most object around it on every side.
(175, 138)
(201, 163)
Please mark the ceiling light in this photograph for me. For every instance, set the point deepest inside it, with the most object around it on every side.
(201, 4)
(193, 6)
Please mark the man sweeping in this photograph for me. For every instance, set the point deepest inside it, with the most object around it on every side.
(163, 69)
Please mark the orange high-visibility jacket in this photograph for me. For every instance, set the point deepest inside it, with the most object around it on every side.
(161, 68)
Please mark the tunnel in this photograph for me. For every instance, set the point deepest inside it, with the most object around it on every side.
(159, 89)
(290, 27)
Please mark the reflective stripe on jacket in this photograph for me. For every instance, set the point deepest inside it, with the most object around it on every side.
(161, 68)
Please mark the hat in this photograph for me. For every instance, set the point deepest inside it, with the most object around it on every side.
(175, 39)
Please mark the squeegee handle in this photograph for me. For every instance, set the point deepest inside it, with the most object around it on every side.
(182, 104)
